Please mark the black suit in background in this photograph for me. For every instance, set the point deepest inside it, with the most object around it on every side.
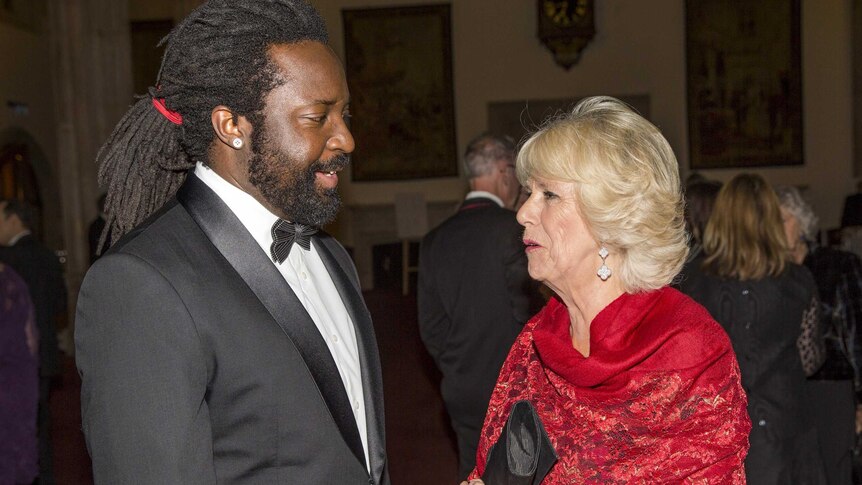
(474, 297)
(201, 366)
(41, 270)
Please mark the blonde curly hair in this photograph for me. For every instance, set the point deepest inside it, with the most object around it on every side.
(626, 184)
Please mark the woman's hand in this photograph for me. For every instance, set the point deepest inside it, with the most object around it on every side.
(473, 482)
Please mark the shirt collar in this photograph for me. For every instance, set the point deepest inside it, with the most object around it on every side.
(256, 218)
(17, 237)
(475, 194)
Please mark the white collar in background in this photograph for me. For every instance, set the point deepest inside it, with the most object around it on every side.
(17, 237)
(475, 194)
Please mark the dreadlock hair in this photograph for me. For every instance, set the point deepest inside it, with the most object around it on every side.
(215, 56)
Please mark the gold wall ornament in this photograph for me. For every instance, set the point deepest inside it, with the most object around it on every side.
(566, 27)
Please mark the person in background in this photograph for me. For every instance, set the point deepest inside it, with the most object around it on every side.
(768, 306)
(633, 381)
(474, 291)
(41, 270)
(838, 275)
(699, 199)
(19, 381)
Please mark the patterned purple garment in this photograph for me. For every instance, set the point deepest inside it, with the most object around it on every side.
(19, 380)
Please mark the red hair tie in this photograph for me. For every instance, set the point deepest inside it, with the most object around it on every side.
(172, 116)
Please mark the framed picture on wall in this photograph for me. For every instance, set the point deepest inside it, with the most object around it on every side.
(744, 83)
(399, 69)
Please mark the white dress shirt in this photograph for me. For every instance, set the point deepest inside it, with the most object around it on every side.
(308, 278)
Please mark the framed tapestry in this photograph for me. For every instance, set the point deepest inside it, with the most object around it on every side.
(399, 69)
(744, 83)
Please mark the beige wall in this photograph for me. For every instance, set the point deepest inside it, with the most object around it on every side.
(639, 48)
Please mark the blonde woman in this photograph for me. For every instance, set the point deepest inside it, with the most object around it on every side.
(633, 381)
(768, 306)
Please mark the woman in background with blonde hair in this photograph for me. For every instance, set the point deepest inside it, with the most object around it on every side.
(768, 306)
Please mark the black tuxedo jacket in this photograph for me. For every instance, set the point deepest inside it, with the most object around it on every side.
(200, 365)
(41, 270)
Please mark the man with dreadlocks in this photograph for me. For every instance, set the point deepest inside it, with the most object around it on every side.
(212, 348)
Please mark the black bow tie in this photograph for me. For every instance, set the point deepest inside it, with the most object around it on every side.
(284, 234)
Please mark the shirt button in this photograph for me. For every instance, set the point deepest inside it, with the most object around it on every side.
(762, 422)
(334, 338)
(356, 405)
(304, 276)
(745, 292)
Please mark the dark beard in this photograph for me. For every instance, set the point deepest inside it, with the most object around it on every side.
(290, 187)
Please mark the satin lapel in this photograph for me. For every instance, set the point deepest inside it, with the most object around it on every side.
(372, 381)
(232, 240)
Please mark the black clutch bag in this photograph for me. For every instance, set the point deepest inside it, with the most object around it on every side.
(523, 454)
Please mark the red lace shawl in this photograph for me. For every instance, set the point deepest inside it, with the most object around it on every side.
(658, 400)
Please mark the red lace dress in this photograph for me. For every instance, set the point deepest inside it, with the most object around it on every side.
(658, 400)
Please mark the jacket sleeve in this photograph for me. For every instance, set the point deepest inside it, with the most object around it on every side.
(144, 378)
(434, 323)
